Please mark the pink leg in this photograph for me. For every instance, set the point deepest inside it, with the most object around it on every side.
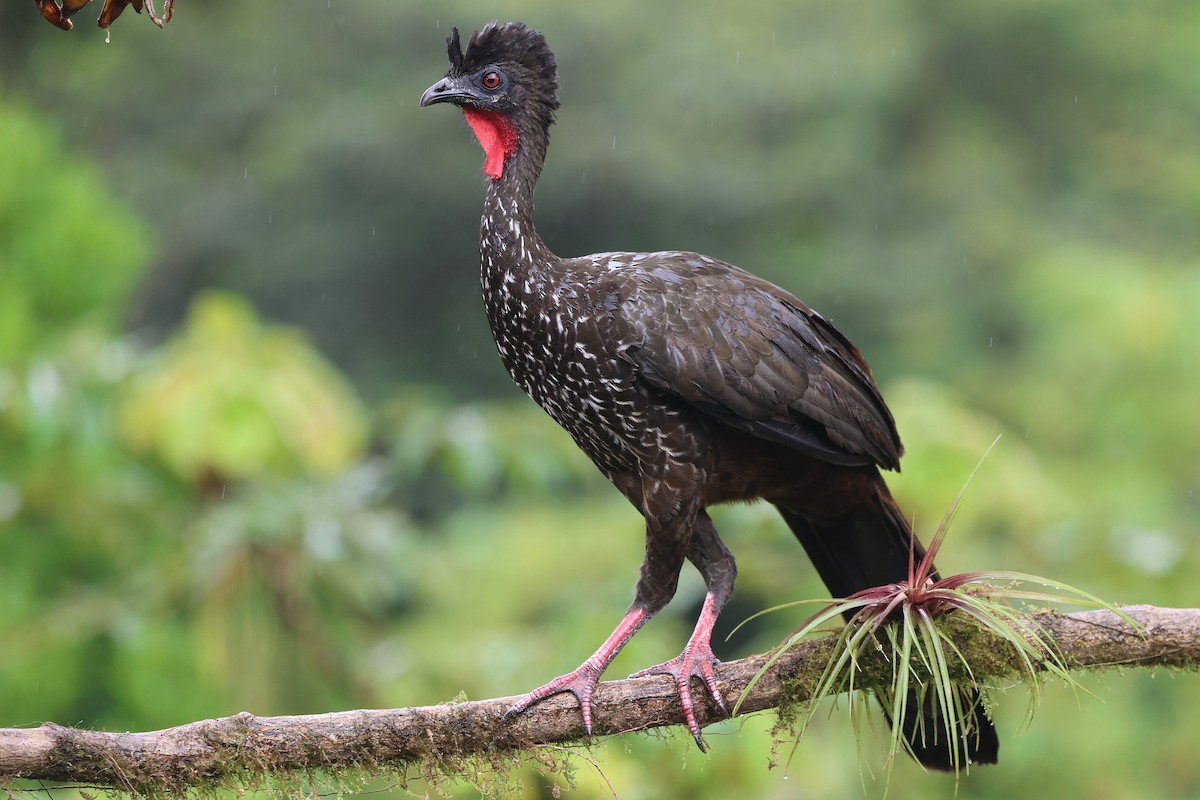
(582, 682)
(696, 661)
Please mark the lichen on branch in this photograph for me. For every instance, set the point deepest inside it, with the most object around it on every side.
(245, 749)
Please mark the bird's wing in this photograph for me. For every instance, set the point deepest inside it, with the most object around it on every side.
(748, 353)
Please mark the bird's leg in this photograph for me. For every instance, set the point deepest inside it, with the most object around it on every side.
(709, 554)
(582, 681)
(667, 540)
(696, 661)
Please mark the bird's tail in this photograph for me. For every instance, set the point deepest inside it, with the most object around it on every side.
(870, 546)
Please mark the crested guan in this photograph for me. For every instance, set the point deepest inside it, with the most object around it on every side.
(688, 382)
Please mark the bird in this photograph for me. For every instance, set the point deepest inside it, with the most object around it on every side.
(688, 382)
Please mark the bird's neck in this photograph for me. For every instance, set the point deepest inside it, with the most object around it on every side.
(508, 240)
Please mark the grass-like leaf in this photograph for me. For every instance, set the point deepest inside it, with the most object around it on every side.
(907, 620)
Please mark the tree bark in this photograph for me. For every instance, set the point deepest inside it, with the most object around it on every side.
(242, 748)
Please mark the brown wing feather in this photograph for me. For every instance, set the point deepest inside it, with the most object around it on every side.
(754, 356)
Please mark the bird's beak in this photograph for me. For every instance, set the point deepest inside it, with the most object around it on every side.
(447, 90)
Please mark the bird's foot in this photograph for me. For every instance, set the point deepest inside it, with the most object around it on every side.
(696, 661)
(581, 683)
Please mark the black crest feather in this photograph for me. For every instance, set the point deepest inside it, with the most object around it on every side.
(454, 50)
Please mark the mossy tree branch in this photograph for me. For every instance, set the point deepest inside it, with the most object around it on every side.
(244, 748)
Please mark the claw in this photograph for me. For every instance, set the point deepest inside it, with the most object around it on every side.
(581, 683)
(696, 661)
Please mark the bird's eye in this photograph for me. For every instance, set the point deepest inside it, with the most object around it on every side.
(492, 80)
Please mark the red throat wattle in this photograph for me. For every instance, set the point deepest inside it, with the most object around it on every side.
(496, 136)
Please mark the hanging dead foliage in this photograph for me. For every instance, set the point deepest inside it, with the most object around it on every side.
(59, 12)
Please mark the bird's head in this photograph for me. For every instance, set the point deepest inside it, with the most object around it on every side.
(506, 83)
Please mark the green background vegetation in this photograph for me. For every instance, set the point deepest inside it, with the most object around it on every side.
(257, 452)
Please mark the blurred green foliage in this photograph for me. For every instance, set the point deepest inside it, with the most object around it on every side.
(56, 215)
(199, 515)
(231, 399)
